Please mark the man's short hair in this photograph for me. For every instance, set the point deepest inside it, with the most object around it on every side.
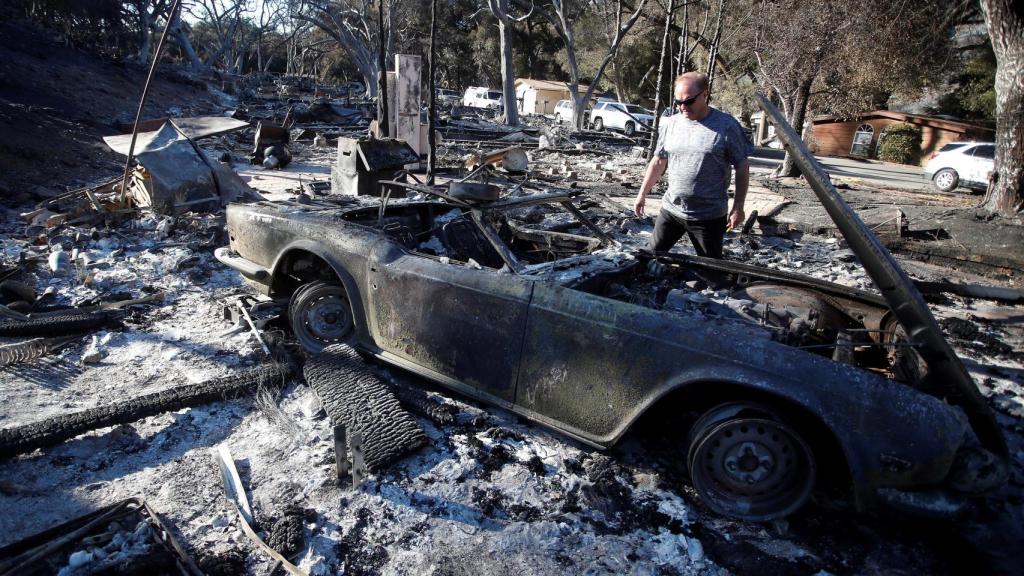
(700, 78)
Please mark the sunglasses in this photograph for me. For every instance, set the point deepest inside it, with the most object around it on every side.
(688, 101)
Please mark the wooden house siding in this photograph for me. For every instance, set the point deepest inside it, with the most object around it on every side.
(832, 137)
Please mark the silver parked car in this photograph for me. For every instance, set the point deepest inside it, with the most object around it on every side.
(629, 118)
(961, 165)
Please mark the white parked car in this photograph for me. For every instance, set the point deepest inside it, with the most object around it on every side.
(446, 96)
(961, 165)
(563, 111)
(479, 97)
(629, 118)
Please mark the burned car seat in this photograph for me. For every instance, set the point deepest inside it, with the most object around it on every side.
(464, 241)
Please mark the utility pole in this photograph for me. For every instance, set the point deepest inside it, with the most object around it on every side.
(431, 145)
(382, 75)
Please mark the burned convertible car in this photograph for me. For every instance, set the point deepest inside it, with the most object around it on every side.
(796, 381)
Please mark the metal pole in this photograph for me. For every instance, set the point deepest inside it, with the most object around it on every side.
(142, 101)
(431, 105)
(382, 76)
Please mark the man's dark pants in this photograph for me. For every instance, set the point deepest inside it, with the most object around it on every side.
(705, 235)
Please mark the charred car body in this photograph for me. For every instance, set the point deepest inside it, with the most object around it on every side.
(795, 380)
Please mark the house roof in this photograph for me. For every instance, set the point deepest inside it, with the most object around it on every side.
(917, 119)
(554, 85)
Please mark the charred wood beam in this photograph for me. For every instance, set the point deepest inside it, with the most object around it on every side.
(605, 239)
(418, 401)
(1009, 295)
(74, 323)
(57, 429)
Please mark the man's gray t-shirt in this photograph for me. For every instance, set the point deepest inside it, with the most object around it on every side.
(700, 155)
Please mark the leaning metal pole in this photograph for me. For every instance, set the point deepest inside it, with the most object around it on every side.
(142, 101)
(431, 144)
(382, 75)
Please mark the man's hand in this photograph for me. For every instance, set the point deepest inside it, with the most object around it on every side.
(638, 204)
(736, 218)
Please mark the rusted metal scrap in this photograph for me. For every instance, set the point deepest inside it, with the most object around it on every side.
(363, 164)
(31, 349)
(511, 159)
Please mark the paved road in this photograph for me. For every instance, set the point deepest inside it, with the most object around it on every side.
(872, 172)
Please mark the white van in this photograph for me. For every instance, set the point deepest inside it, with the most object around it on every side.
(479, 97)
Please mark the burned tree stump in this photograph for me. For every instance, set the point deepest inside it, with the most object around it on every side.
(362, 409)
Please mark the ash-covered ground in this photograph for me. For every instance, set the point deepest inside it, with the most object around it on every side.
(490, 494)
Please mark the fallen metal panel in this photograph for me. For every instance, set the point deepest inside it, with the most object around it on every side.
(230, 185)
(203, 126)
(193, 128)
(178, 174)
(945, 369)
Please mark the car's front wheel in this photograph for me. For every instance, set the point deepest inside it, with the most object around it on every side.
(320, 315)
(598, 124)
(747, 463)
(630, 128)
(946, 180)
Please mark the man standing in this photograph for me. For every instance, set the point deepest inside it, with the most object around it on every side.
(697, 147)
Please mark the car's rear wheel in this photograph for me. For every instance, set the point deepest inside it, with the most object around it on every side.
(747, 463)
(946, 180)
(558, 118)
(598, 124)
(630, 128)
(320, 315)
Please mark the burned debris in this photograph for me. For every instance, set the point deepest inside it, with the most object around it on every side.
(515, 276)
(123, 538)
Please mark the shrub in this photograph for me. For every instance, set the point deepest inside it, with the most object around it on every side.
(901, 143)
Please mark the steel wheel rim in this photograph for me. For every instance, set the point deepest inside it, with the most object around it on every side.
(944, 180)
(327, 318)
(752, 468)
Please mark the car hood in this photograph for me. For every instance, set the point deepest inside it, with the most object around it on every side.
(906, 303)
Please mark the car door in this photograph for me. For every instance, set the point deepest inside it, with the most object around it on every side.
(456, 320)
(982, 161)
(590, 362)
(617, 116)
